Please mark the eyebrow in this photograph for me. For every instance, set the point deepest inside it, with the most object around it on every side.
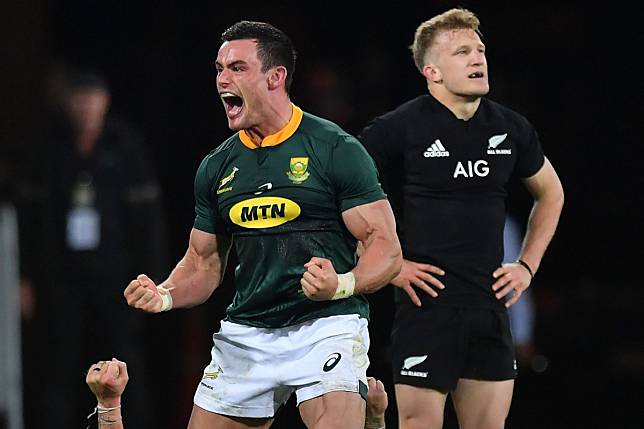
(234, 63)
(467, 46)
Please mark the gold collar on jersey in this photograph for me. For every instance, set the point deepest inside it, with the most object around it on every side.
(278, 137)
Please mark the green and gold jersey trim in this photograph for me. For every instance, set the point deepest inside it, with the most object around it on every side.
(280, 136)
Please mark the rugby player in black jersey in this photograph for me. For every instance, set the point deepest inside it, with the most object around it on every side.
(444, 159)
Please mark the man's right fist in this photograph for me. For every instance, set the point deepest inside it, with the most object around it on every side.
(142, 293)
(107, 380)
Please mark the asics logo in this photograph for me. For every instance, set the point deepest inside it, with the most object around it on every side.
(332, 361)
(265, 187)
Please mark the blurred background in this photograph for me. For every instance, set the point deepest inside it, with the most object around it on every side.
(571, 69)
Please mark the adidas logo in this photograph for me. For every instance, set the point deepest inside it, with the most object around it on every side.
(436, 150)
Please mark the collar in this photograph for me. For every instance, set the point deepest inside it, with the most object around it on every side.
(278, 137)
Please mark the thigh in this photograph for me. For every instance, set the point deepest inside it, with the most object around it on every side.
(419, 407)
(341, 410)
(428, 347)
(482, 404)
(490, 350)
(331, 356)
(202, 419)
(243, 377)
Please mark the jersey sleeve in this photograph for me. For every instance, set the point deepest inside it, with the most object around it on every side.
(354, 175)
(387, 152)
(375, 138)
(531, 157)
(205, 202)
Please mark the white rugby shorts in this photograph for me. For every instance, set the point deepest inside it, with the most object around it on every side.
(254, 371)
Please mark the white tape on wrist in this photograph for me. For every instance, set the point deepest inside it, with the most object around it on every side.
(166, 298)
(346, 285)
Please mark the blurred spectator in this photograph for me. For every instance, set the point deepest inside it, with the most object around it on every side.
(522, 314)
(96, 214)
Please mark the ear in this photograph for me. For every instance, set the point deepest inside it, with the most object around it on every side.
(432, 73)
(277, 77)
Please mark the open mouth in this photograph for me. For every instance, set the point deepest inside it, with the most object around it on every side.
(232, 103)
(476, 75)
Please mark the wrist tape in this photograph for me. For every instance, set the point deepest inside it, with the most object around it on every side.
(346, 285)
(166, 298)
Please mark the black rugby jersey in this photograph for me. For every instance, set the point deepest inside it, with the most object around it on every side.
(445, 178)
(283, 204)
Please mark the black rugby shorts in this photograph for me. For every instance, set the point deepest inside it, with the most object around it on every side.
(434, 347)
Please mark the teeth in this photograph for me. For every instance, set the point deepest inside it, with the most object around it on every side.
(227, 95)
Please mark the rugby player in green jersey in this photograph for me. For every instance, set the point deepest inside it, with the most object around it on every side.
(295, 194)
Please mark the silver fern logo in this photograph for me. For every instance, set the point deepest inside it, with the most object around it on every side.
(494, 141)
(411, 362)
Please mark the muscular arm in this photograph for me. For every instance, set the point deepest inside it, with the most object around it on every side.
(374, 226)
(201, 269)
(548, 195)
(192, 281)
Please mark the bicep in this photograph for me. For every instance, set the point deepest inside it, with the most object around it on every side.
(207, 248)
(368, 220)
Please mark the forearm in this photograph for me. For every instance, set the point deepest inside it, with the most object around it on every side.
(380, 262)
(374, 422)
(193, 280)
(542, 224)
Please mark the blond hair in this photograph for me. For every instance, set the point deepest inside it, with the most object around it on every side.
(426, 33)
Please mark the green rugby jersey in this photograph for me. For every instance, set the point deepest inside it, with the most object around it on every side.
(283, 203)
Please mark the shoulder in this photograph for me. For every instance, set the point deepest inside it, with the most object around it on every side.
(497, 112)
(407, 110)
(405, 116)
(324, 131)
(212, 162)
(378, 132)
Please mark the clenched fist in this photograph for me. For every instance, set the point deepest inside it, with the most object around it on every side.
(142, 293)
(107, 380)
(319, 281)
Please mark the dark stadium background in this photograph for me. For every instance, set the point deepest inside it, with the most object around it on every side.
(571, 68)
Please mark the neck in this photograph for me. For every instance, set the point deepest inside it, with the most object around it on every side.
(463, 107)
(275, 118)
(86, 141)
